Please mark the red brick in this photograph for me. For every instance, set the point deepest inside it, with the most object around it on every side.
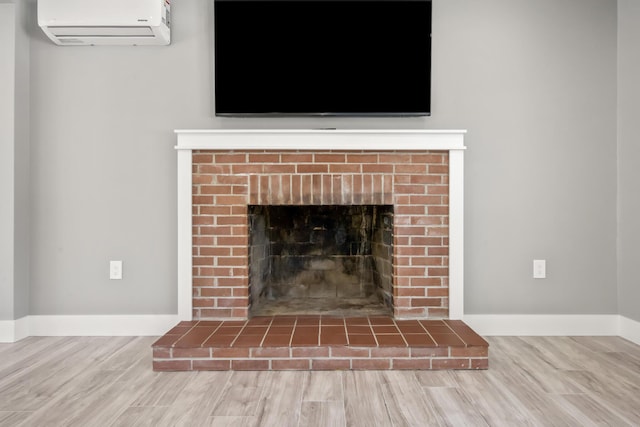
(409, 313)
(329, 158)
(479, 363)
(213, 313)
(214, 169)
(425, 302)
(310, 352)
(202, 158)
(215, 251)
(250, 169)
(232, 302)
(426, 179)
(437, 231)
(438, 210)
(297, 158)
(171, 365)
(422, 363)
(212, 365)
(401, 302)
(410, 250)
(250, 365)
(231, 261)
(450, 364)
(231, 352)
(215, 292)
(203, 220)
(475, 351)
(427, 220)
(291, 365)
(426, 281)
(330, 364)
(430, 158)
(412, 169)
(312, 168)
(202, 260)
(264, 158)
(345, 168)
(438, 292)
(231, 220)
(410, 231)
(186, 353)
(429, 201)
(230, 200)
(437, 313)
(216, 189)
(202, 200)
(349, 352)
(371, 364)
(410, 271)
(377, 168)
(232, 240)
(215, 230)
(390, 352)
(229, 158)
(362, 158)
(232, 281)
(202, 302)
(438, 271)
(215, 210)
(410, 210)
(409, 292)
(270, 352)
(161, 353)
(240, 313)
(241, 292)
(438, 169)
(438, 251)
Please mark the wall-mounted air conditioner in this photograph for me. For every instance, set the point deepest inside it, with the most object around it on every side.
(106, 22)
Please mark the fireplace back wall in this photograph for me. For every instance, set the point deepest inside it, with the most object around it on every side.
(225, 183)
(326, 259)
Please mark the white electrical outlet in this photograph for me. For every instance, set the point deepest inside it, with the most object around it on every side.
(539, 269)
(115, 270)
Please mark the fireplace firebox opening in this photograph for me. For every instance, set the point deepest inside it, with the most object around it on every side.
(320, 259)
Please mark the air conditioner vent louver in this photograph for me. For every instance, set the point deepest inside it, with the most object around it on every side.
(71, 41)
(102, 31)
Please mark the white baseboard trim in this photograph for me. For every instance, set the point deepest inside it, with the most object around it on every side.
(92, 325)
(544, 324)
(629, 329)
(14, 330)
(7, 331)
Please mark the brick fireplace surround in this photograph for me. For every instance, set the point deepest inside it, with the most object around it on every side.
(221, 172)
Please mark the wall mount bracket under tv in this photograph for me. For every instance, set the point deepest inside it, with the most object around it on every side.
(322, 57)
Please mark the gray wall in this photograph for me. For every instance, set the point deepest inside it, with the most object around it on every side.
(628, 158)
(534, 82)
(7, 50)
(22, 162)
(14, 161)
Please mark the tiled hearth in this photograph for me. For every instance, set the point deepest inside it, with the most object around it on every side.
(320, 343)
(417, 173)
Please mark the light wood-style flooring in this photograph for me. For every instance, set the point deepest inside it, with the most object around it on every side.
(538, 381)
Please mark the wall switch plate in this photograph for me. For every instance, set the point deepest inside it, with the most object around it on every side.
(539, 269)
(115, 270)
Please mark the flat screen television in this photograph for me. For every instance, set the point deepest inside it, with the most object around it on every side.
(322, 57)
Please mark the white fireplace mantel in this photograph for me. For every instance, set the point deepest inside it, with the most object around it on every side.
(313, 140)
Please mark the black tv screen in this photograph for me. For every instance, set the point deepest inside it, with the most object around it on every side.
(315, 57)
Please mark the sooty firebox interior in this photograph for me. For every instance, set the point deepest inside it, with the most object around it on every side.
(328, 259)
